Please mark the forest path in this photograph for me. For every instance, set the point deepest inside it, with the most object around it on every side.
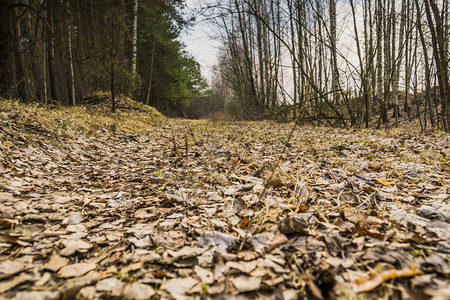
(131, 216)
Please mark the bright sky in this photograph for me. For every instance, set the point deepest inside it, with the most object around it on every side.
(199, 41)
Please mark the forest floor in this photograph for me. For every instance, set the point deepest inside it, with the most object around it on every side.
(116, 207)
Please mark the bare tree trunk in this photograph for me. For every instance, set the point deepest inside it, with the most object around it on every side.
(5, 50)
(121, 36)
(293, 57)
(112, 71)
(51, 50)
(415, 60)
(151, 76)
(363, 74)
(260, 49)
(135, 32)
(440, 58)
(398, 60)
(409, 10)
(380, 96)
(72, 79)
(427, 66)
(23, 88)
(387, 55)
(333, 41)
(36, 79)
(44, 56)
(247, 58)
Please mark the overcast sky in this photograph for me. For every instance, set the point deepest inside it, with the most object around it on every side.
(199, 42)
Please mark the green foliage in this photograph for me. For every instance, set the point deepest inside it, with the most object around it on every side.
(101, 35)
(174, 75)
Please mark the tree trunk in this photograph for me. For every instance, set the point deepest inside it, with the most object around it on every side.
(380, 97)
(72, 79)
(135, 33)
(398, 60)
(387, 21)
(5, 50)
(440, 58)
(112, 71)
(151, 76)
(333, 41)
(428, 97)
(51, 50)
(23, 88)
(36, 79)
(247, 59)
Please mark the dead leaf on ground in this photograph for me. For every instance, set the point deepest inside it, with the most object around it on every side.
(76, 270)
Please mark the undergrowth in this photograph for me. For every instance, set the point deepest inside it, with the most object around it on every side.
(85, 119)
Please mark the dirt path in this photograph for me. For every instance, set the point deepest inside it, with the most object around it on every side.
(238, 210)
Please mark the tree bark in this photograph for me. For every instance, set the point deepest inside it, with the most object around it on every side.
(72, 78)
(5, 49)
(379, 35)
(333, 42)
(135, 36)
(151, 76)
(23, 87)
(51, 49)
(440, 58)
(247, 58)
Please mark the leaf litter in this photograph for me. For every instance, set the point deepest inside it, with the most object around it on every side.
(199, 209)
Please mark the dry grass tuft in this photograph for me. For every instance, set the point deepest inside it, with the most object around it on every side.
(90, 120)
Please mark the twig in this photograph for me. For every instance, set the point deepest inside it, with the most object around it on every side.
(186, 145)
(173, 138)
(190, 130)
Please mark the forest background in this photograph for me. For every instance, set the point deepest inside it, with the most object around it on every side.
(347, 63)
(65, 51)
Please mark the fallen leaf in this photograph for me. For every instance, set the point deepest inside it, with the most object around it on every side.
(275, 241)
(73, 219)
(11, 267)
(138, 291)
(87, 292)
(386, 182)
(73, 245)
(109, 284)
(206, 276)
(56, 262)
(179, 286)
(62, 200)
(246, 284)
(9, 284)
(365, 285)
(37, 295)
(76, 270)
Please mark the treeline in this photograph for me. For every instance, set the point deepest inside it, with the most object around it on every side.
(63, 50)
(360, 63)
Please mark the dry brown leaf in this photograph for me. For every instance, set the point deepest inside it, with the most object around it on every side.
(386, 182)
(179, 286)
(206, 276)
(109, 284)
(105, 192)
(11, 267)
(365, 285)
(56, 262)
(76, 270)
(11, 283)
(138, 291)
(274, 242)
(74, 245)
(246, 284)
